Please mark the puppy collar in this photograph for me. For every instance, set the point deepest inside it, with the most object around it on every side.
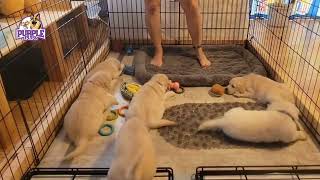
(293, 119)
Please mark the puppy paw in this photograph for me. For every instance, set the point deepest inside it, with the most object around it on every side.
(302, 136)
(169, 95)
(202, 127)
(238, 95)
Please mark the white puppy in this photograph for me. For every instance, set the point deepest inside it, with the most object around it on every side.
(260, 88)
(87, 113)
(135, 157)
(112, 69)
(273, 125)
(148, 103)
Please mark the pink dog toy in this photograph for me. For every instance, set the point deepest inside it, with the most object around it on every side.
(175, 86)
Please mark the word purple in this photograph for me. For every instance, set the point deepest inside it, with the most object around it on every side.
(31, 34)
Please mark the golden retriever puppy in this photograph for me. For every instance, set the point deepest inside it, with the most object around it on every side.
(112, 69)
(134, 157)
(273, 125)
(148, 103)
(260, 88)
(87, 113)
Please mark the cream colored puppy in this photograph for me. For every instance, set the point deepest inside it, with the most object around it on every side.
(134, 157)
(112, 69)
(260, 88)
(87, 113)
(148, 103)
(273, 125)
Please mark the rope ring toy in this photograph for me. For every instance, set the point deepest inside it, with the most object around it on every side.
(113, 115)
(179, 92)
(103, 133)
(129, 89)
(120, 110)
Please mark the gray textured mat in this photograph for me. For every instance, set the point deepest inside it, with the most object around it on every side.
(190, 115)
(181, 65)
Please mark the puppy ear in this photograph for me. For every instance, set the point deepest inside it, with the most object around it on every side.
(38, 16)
(242, 86)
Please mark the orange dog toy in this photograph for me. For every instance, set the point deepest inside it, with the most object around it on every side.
(217, 89)
(120, 110)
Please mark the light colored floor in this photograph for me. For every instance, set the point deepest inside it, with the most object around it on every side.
(184, 162)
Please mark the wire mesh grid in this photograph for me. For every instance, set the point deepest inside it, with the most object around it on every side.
(77, 36)
(289, 50)
(34, 100)
(162, 173)
(258, 172)
(224, 22)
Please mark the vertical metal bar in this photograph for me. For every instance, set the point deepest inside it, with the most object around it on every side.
(34, 150)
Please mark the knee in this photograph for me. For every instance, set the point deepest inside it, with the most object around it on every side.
(192, 4)
(152, 7)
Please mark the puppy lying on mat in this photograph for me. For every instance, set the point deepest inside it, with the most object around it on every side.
(148, 103)
(260, 88)
(134, 157)
(277, 124)
(112, 69)
(87, 113)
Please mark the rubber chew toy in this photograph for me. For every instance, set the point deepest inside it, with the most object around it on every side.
(175, 86)
(217, 90)
(104, 132)
(120, 110)
(113, 115)
(129, 89)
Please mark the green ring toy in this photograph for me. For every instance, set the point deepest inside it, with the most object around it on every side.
(113, 115)
(103, 133)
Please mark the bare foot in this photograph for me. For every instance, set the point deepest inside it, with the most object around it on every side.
(157, 59)
(203, 60)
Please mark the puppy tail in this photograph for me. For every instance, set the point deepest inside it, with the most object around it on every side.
(82, 145)
(213, 125)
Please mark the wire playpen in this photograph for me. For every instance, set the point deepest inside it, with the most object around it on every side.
(40, 79)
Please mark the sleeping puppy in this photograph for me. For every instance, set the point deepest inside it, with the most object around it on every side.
(134, 157)
(260, 88)
(87, 113)
(112, 69)
(148, 103)
(268, 126)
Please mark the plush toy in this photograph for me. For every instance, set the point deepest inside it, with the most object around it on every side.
(217, 90)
